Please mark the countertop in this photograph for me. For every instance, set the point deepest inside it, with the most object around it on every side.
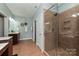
(14, 33)
(5, 38)
(2, 45)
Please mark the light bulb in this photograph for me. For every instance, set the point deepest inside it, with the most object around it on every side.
(74, 15)
(78, 14)
(47, 23)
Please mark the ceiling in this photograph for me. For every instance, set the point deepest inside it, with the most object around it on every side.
(23, 9)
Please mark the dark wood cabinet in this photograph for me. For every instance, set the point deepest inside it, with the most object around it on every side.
(16, 37)
(7, 47)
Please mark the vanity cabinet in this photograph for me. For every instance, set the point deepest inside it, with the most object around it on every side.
(6, 47)
(16, 37)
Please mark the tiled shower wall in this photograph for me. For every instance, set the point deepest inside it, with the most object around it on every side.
(68, 28)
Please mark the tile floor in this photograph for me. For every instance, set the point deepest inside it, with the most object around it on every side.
(62, 52)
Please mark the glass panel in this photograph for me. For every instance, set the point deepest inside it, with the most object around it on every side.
(51, 30)
(62, 32)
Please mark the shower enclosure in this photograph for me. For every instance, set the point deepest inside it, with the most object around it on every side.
(61, 29)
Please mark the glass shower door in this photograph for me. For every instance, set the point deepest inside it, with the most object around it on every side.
(51, 31)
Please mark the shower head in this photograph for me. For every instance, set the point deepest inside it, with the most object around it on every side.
(55, 14)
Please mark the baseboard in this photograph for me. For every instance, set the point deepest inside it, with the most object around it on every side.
(26, 39)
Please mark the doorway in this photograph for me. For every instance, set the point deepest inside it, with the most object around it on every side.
(35, 31)
(1, 26)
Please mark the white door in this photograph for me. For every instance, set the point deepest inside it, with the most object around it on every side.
(1, 26)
